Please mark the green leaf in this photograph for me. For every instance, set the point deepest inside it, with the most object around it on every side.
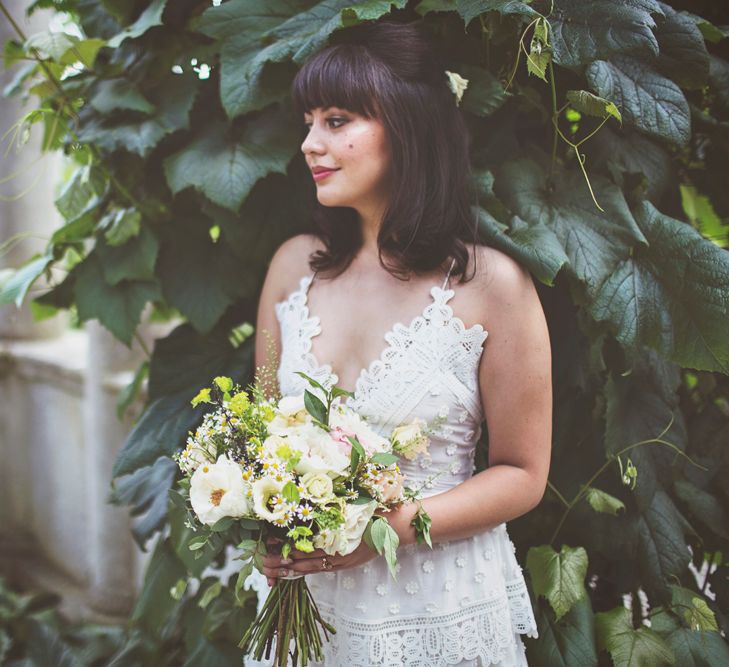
(470, 9)
(290, 493)
(251, 74)
(51, 45)
(46, 647)
(385, 541)
(592, 105)
(117, 307)
(121, 225)
(558, 577)
(662, 552)
(629, 647)
(16, 287)
(701, 214)
(130, 392)
(135, 260)
(222, 524)
(173, 99)
(536, 246)
(83, 192)
(232, 164)
(149, 18)
(484, 94)
(84, 52)
(646, 99)
(119, 94)
(211, 592)
(384, 459)
(641, 405)
(155, 605)
(690, 648)
(594, 242)
(704, 506)
(145, 492)
(693, 609)
(428, 6)
(579, 33)
(540, 52)
(683, 55)
(670, 295)
(315, 407)
(356, 455)
(569, 642)
(199, 277)
(603, 502)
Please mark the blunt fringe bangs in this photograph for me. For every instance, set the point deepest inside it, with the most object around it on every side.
(390, 71)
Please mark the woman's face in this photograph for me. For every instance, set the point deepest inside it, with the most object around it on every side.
(355, 153)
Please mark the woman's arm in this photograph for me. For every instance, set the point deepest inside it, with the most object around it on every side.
(516, 389)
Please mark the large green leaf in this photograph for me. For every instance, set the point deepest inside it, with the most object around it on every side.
(627, 646)
(579, 33)
(233, 163)
(536, 246)
(670, 295)
(134, 260)
(245, 56)
(569, 642)
(484, 94)
(646, 99)
(16, 287)
(683, 55)
(149, 18)
(173, 99)
(199, 277)
(145, 491)
(470, 9)
(120, 94)
(155, 606)
(117, 307)
(703, 505)
(662, 552)
(308, 31)
(594, 242)
(559, 577)
(691, 648)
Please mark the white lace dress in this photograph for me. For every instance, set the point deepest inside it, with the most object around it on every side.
(463, 602)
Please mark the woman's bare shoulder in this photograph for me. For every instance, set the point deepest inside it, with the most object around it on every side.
(290, 262)
(503, 284)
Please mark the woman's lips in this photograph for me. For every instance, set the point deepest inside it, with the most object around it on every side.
(321, 175)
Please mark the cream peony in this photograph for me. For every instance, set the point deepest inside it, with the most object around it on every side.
(319, 453)
(290, 412)
(345, 539)
(410, 439)
(389, 486)
(350, 422)
(218, 490)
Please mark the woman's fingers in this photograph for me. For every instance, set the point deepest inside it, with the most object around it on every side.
(302, 555)
(322, 563)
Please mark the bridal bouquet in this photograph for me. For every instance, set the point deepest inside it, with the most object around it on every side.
(307, 472)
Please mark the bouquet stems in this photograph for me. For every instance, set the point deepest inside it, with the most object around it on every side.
(289, 613)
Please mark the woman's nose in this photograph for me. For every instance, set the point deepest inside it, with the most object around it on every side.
(312, 142)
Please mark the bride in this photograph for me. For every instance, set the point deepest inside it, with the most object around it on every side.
(395, 299)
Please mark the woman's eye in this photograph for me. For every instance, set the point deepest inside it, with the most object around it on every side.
(336, 122)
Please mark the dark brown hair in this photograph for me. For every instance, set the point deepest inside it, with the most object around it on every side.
(390, 71)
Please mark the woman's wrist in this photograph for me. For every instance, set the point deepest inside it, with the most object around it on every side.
(401, 520)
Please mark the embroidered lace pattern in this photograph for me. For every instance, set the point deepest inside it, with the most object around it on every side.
(481, 631)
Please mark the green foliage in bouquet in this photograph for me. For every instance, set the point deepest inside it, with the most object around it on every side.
(600, 157)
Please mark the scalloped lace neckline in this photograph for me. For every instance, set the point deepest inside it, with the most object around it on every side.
(436, 292)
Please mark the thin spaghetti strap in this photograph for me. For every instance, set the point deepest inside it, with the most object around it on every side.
(448, 275)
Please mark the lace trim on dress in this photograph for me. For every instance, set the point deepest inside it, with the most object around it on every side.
(483, 631)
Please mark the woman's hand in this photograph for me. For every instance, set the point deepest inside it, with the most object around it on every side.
(299, 562)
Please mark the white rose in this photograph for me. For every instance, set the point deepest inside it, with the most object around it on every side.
(318, 486)
(218, 490)
(411, 439)
(267, 500)
(330, 540)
